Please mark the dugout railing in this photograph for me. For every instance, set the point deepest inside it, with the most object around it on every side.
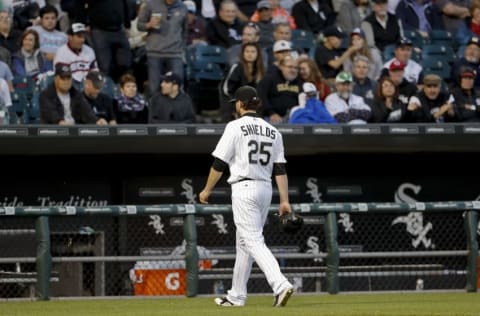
(331, 271)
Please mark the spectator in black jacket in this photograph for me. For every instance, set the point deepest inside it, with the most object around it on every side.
(108, 21)
(431, 104)
(467, 99)
(171, 104)
(62, 104)
(225, 29)
(101, 103)
(312, 15)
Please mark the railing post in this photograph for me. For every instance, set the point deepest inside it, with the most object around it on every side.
(333, 258)
(44, 258)
(471, 219)
(191, 255)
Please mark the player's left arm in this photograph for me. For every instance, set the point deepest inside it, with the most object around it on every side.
(280, 174)
(282, 184)
(215, 174)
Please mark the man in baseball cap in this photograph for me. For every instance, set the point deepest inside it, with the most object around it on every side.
(76, 53)
(413, 71)
(171, 104)
(345, 106)
(101, 103)
(431, 103)
(469, 59)
(96, 78)
(396, 71)
(62, 104)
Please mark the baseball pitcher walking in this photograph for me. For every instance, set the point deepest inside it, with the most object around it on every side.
(253, 150)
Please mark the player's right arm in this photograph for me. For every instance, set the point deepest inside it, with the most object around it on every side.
(215, 174)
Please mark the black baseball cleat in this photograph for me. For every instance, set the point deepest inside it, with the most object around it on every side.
(223, 301)
(282, 298)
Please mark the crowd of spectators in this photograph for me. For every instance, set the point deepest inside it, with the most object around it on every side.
(346, 75)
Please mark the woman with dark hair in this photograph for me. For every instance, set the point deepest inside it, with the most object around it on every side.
(248, 71)
(309, 72)
(386, 106)
(29, 61)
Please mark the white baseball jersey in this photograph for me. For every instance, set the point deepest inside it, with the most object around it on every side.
(79, 63)
(250, 146)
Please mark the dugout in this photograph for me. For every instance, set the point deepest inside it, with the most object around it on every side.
(381, 163)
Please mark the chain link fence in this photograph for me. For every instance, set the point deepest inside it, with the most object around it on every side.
(79, 243)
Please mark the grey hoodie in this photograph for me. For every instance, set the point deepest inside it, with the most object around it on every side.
(170, 39)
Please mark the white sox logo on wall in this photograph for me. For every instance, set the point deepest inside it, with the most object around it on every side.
(313, 190)
(346, 222)
(414, 220)
(156, 222)
(188, 191)
(220, 222)
(313, 248)
(316, 195)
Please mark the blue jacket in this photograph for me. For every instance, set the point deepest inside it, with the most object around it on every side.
(313, 112)
(18, 64)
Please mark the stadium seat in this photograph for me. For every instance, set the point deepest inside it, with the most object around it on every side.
(438, 52)
(436, 66)
(23, 85)
(110, 88)
(460, 52)
(33, 109)
(417, 39)
(18, 108)
(209, 53)
(44, 80)
(441, 37)
(303, 39)
(206, 70)
(388, 52)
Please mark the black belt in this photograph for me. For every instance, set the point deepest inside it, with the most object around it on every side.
(243, 179)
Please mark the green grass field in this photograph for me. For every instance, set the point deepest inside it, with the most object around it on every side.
(414, 304)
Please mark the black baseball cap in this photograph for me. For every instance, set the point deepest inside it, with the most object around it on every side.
(171, 77)
(333, 30)
(63, 70)
(246, 94)
(97, 78)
